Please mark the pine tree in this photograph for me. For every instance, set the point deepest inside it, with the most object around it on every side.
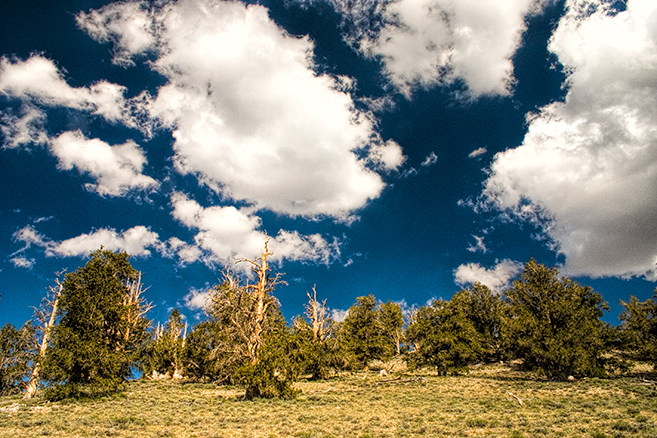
(638, 328)
(101, 327)
(361, 333)
(392, 323)
(555, 325)
(17, 350)
(445, 336)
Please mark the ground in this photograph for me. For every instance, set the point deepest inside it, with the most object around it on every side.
(489, 401)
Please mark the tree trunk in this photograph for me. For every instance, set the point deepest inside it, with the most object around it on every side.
(31, 388)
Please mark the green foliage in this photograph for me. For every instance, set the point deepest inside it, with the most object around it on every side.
(205, 359)
(361, 334)
(164, 353)
(638, 328)
(17, 350)
(275, 371)
(99, 331)
(392, 323)
(315, 356)
(487, 311)
(444, 335)
(555, 324)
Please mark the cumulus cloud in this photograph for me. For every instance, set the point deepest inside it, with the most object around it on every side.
(496, 278)
(339, 315)
(250, 116)
(196, 299)
(587, 169)
(428, 42)
(38, 81)
(128, 25)
(135, 241)
(116, 169)
(227, 232)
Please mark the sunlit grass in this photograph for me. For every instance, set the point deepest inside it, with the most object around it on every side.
(355, 405)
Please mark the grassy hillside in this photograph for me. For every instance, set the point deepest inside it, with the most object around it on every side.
(355, 405)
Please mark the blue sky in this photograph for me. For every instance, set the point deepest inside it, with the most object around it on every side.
(400, 148)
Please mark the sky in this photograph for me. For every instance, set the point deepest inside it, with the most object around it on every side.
(404, 148)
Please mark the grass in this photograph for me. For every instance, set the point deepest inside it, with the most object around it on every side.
(354, 405)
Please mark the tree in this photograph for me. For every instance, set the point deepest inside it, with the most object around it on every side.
(555, 325)
(361, 333)
(487, 311)
(313, 346)
(638, 328)
(392, 323)
(46, 316)
(163, 356)
(246, 315)
(16, 353)
(101, 327)
(444, 336)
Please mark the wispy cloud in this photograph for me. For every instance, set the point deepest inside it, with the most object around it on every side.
(430, 160)
(477, 152)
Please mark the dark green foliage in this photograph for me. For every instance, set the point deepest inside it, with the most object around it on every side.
(638, 329)
(317, 357)
(203, 358)
(487, 311)
(361, 333)
(17, 350)
(444, 335)
(164, 353)
(392, 323)
(555, 324)
(275, 371)
(99, 331)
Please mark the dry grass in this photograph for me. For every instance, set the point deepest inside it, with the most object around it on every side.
(355, 405)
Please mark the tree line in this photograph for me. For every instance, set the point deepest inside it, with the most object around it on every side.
(91, 333)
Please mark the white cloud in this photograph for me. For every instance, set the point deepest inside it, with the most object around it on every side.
(135, 241)
(227, 232)
(128, 25)
(30, 236)
(429, 42)
(196, 299)
(186, 253)
(339, 315)
(249, 115)
(116, 169)
(496, 278)
(38, 81)
(479, 246)
(25, 129)
(430, 160)
(589, 165)
(477, 152)
(23, 262)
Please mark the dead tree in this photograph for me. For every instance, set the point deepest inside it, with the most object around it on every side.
(245, 307)
(320, 322)
(46, 315)
(137, 306)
